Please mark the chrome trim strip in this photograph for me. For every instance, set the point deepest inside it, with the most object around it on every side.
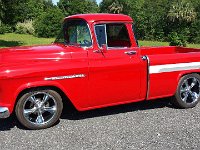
(174, 67)
(90, 37)
(65, 77)
(106, 35)
(148, 74)
(4, 112)
(121, 48)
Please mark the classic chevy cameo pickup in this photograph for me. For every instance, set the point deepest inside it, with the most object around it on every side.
(95, 62)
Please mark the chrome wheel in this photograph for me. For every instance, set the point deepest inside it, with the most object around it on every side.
(39, 108)
(190, 90)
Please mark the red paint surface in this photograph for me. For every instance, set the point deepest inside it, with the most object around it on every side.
(111, 79)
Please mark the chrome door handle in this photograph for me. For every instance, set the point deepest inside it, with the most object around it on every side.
(130, 52)
(96, 51)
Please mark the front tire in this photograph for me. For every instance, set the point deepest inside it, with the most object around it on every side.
(188, 91)
(39, 109)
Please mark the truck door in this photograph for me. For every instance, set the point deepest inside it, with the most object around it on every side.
(115, 76)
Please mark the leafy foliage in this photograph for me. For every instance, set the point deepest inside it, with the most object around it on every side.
(176, 40)
(71, 7)
(154, 20)
(182, 11)
(115, 7)
(2, 29)
(25, 27)
(13, 11)
(48, 24)
(157, 20)
(194, 36)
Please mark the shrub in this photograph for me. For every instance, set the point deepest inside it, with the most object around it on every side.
(2, 29)
(177, 40)
(159, 36)
(8, 29)
(48, 24)
(195, 32)
(196, 39)
(25, 27)
(5, 29)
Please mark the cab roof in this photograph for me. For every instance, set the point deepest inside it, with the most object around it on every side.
(101, 17)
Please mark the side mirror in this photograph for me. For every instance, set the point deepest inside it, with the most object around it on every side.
(104, 48)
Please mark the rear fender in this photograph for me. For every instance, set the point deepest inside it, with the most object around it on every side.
(183, 73)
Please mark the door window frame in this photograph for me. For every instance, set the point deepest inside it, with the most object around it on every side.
(111, 48)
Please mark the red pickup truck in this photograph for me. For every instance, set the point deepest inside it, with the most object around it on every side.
(95, 62)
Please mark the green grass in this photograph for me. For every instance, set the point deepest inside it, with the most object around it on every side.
(12, 39)
(153, 43)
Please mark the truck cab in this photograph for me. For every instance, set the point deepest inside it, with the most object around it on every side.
(113, 57)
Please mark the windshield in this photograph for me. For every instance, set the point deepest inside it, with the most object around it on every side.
(75, 32)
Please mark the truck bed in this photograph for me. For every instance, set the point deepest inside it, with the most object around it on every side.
(167, 50)
(167, 65)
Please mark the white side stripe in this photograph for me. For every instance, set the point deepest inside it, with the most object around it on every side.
(174, 67)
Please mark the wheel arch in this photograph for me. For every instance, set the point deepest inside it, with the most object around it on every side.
(176, 99)
(182, 74)
(186, 73)
(65, 99)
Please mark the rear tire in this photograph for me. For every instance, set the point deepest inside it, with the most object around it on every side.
(39, 109)
(188, 91)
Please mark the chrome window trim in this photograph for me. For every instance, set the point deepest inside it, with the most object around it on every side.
(96, 33)
(90, 36)
(136, 40)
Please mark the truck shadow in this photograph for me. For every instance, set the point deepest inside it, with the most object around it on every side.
(8, 123)
(4, 43)
(71, 114)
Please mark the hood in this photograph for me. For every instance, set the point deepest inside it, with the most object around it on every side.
(36, 53)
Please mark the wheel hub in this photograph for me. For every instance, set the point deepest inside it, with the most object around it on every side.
(190, 90)
(40, 108)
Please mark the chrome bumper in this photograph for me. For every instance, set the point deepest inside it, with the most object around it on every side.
(4, 112)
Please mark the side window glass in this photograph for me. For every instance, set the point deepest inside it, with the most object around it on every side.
(100, 31)
(117, 35)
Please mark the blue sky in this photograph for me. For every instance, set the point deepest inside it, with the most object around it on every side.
(55, 1)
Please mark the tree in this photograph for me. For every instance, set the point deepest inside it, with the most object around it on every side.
(115, 7)
(181, 11)
(1, 11)
(194, 28)
(181, 16)
(71, 7)
(14, 11)
(112, 6)
(48, 24)
(149, 16)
